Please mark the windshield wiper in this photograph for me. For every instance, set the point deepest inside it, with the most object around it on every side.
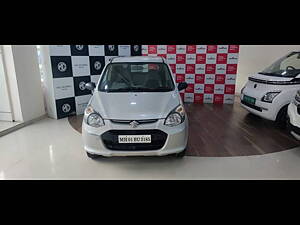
(139, 89)
(263, 73)
(118, 90)
(152, 89)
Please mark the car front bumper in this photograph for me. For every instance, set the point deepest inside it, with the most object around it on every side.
(263, 109)
(176, 140)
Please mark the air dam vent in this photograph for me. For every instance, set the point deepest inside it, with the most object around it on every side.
(110, 140)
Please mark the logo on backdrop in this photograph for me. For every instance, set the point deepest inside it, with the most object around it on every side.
(82, 85)
(66, 108)
(62, 66)
(208, 98)
(219, 89)
(111, 48)
(136, 48)
(134, 124)
(97, 65)
(79, 47)
(190, 57)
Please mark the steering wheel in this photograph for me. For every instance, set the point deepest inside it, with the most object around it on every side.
(293, 68)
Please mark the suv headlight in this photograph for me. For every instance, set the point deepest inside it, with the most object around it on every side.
(92, 118)
(268, 97)
(175, 117)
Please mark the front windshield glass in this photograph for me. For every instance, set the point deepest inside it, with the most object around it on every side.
(287, 66)
(136, 77)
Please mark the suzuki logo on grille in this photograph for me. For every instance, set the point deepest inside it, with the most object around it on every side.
(134, 124)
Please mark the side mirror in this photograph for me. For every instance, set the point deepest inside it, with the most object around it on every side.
(90, 86)
(182, 86)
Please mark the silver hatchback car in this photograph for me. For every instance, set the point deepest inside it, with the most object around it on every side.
(135, 110)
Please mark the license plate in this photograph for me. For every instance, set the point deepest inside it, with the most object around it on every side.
(249, 100)
(134, 139)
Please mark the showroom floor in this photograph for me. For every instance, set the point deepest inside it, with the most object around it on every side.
(52, 149)
(6, 127)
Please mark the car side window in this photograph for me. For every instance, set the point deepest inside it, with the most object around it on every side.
(293, 61)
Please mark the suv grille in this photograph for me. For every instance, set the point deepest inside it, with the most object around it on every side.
(110, 140)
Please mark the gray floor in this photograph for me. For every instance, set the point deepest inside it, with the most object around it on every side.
(51, 149)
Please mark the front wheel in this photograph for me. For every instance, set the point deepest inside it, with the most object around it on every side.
(281, 119)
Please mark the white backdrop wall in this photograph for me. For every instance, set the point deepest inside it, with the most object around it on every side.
(254, 58)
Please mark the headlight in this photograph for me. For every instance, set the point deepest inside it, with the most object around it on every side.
(268, 97)
(92, 118)
(175, 117)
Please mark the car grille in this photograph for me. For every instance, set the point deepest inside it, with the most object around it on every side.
(139, 121)
(110, 140)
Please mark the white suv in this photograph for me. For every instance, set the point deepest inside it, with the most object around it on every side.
(135, 110)
(268, 93)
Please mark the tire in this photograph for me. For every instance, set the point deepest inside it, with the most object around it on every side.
(181, 154)
(281, 118)
(92, 156)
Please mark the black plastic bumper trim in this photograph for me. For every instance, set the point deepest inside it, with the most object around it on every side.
(251, 106)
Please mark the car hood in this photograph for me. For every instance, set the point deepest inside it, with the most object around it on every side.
(271, 78)
(135, 105)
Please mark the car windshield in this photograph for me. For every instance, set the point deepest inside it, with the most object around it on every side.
(287, 66)
(136, 77)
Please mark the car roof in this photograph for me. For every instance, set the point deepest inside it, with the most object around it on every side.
(153, 59)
